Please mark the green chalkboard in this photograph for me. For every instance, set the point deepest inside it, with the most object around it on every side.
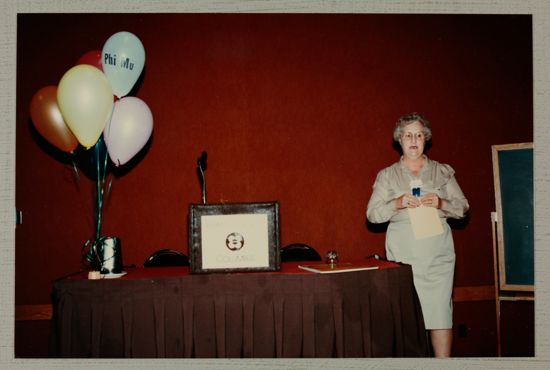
(513, 177)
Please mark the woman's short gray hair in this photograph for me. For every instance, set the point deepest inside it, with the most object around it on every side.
(408, 119)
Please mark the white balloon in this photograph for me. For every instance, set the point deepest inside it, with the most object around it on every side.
(123, 58)
(129, 130)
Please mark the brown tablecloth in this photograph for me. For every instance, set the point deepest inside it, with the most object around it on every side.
(166, 312)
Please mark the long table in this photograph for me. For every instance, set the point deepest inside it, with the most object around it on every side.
(168, 312)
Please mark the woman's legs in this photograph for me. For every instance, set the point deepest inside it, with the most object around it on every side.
(442, 339)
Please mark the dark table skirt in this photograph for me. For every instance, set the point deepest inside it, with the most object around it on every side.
(373, 313)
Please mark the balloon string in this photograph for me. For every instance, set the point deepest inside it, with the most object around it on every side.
(85, 251)
(91, 254)
(75, 170)
(107, 156)
(110, 183)
(99, 196)
(105, 162)
(110, 119)
(90, 246)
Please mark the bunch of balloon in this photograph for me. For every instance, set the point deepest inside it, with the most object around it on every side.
(90, 107)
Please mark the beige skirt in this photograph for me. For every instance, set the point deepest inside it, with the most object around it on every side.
(433, 262)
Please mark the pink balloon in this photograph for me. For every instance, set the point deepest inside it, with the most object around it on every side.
(129, 130)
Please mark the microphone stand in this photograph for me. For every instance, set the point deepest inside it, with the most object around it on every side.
(201, 166)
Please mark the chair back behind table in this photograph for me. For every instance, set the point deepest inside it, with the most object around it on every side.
(299, 252)
(166, 258)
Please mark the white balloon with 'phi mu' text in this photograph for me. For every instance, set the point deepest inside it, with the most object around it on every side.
(123, 58)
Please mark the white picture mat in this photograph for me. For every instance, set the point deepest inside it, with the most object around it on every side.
(215, 230)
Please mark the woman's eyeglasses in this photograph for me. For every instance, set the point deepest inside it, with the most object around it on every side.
(409, 136)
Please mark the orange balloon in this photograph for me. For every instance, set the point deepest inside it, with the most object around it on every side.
(49, 122)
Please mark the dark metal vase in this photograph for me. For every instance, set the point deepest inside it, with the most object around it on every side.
(109, 250)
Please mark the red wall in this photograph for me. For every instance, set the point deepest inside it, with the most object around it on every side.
(294, 108)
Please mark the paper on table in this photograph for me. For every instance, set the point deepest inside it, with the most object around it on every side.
(325, 268)
(425, 222)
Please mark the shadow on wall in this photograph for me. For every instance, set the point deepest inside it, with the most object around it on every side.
(454, 223)
(459, 224)
(376, 228)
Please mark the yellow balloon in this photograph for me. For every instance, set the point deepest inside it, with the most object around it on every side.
(85, 99)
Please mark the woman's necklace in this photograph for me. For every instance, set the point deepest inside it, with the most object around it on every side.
(415, 183)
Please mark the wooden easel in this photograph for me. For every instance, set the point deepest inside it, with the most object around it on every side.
(501, 295)
(504, 291)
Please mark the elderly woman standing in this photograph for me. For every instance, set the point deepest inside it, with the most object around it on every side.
(413, 181)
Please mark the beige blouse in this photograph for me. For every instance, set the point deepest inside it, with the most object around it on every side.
(396, 180)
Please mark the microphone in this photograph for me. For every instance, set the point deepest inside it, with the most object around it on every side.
(201, 161)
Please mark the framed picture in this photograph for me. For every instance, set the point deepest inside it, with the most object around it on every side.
(234, 237)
